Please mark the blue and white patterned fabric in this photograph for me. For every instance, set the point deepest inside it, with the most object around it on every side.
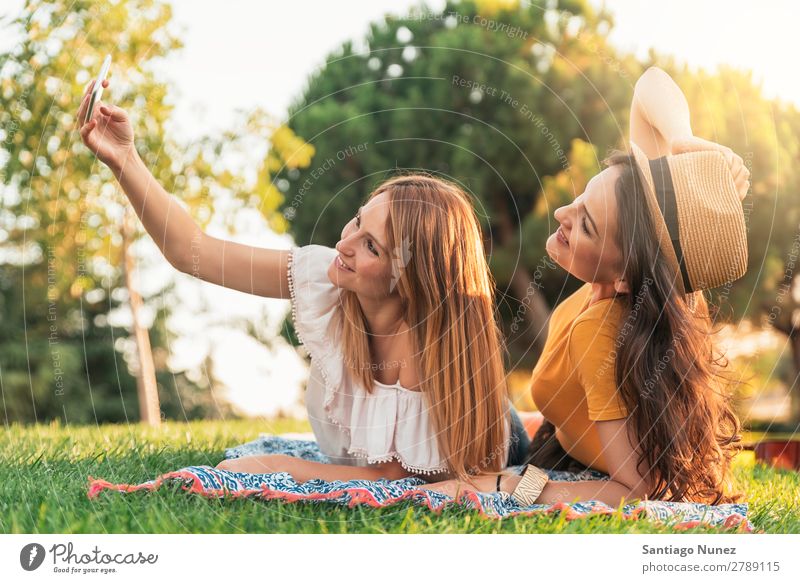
(214, 482)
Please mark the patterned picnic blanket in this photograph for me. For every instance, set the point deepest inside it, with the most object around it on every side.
(211, 482)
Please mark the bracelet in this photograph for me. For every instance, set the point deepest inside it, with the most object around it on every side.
(530, 486)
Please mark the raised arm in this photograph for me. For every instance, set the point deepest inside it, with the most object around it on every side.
(659, 113)
(660, 125)
(252, 270)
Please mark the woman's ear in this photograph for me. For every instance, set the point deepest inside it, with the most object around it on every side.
(621, 286)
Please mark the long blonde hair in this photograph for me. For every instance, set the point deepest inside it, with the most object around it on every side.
(447, 293)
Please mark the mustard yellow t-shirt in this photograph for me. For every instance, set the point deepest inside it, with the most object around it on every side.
(573, 383)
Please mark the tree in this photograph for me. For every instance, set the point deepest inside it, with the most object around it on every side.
(62, 244)
(730, 108)
(487, 94)
(503, 97)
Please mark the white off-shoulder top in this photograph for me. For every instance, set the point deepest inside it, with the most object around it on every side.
(352, 426)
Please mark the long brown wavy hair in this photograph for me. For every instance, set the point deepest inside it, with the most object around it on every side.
(447, 292)
(670, 376)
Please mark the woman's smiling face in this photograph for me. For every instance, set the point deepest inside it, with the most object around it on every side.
(585, 241)
(363, 249)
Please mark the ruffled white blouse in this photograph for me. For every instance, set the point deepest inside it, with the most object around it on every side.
(352, 426)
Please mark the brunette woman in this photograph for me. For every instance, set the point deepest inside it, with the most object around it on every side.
(629, 383)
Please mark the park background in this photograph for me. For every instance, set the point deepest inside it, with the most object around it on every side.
(272, 122)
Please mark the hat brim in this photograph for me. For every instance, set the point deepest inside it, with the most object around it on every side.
(660, 226)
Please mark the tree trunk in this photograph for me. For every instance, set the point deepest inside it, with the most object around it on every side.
(147, 389)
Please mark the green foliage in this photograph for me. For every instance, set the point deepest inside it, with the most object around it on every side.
(452, 94)
(497, 95)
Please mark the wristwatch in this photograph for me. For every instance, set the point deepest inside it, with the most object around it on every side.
(530, 486)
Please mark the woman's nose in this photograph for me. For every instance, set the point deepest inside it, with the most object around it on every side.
(343, 246)
(561, 214)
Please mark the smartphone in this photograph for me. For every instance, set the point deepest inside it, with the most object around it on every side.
(97, 90)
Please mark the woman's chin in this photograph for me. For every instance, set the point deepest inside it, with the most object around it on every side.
(552, 248)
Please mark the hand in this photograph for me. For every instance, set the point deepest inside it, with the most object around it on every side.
(740, 173)
(454, 488)
(109, 134)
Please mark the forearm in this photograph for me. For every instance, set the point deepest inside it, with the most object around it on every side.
(661, 103)
(170, 226)
(304, 470)
(609, 491)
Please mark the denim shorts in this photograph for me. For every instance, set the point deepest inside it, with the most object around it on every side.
(519, 442)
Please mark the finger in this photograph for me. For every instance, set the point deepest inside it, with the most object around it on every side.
(742, 178)
(88, 127)
(86, 130)
(735, 167)
(740, 169)
(114, 112)
(80, 116)
(84, 104)
(742, 187)
(743, 190)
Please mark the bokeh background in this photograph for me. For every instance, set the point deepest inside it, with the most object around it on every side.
(271, 122)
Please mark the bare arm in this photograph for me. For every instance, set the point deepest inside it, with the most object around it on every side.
(109, 135)
(659, 113)
(626, 483)
(245, 268)
(304, 470)
(660, 125)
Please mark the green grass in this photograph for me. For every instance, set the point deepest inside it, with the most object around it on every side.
(44, 470)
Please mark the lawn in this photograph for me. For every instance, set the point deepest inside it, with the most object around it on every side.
(44, 469)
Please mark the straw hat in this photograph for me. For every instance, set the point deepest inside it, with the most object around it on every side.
(698, 217)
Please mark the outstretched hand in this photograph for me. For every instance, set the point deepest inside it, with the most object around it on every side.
(109, 134)
(454, 488)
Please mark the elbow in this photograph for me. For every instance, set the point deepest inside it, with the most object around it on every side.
(640, 490)
(637, 493)
(653, 73)
(651, 78)
(176, 261)
(186, 257)
(391, 471)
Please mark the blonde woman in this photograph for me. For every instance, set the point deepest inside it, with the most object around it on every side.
(399, 320)
(629, 382)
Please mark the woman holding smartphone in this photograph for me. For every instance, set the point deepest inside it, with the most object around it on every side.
(399, 320)
(629, 383)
